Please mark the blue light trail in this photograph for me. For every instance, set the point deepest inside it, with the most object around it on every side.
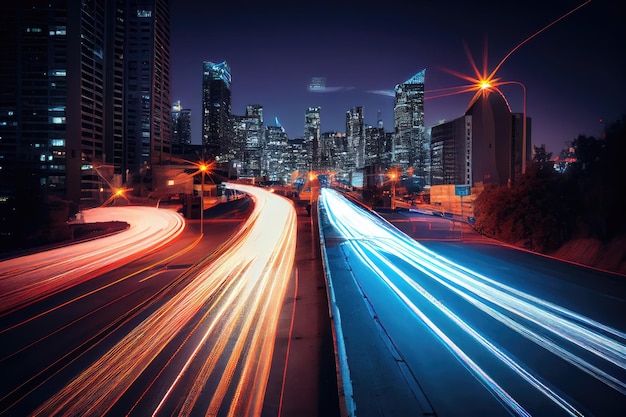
(398, 260)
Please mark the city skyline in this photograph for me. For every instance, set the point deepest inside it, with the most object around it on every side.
(358, 53)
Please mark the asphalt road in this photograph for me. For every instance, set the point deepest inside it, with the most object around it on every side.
(101, 330)
(448, 324)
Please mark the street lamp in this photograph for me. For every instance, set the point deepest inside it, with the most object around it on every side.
(203, 168)
(393, 176)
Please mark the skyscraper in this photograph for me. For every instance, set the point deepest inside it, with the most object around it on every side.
(451, 152)
(355, 135)
(216, 110)
(255, 110)
(410, 146)
(479, 147)
(114, 117)
(84, 99)
(328, 157)
(374, 145)
(59, 96)
(147, 89)
(312, 125)
(248, 140)
(181, 126)
(275, 158)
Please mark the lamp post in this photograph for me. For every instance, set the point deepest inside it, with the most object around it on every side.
(393, 190)
(203, 167)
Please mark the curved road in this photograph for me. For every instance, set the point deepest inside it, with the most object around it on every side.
(168, 333)
(469, 329)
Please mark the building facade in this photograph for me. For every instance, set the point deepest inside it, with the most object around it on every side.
(312, 126)
(276, 162)
(148, 114)
(451, 152)
(181, 127)
(375, 145)
(60, 96)
(355, 135)
(410, 149)
(481, 147)
(248, 141)
(77, 116)
(216, 110)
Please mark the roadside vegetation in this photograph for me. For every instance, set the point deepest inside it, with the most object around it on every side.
(578, 214)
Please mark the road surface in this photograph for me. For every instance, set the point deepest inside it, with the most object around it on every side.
(452, 329)
(160, 335)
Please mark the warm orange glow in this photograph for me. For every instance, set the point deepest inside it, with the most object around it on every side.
(28, 279)
(230, 308)
(485, 82)
(203, 167)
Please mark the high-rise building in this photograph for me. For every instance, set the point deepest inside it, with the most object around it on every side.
(355, 135)
(59, 96)
(276, 161)
(84, 99)
(329, 158)
(216, 110)
(312, 125)
(479, 146)
(181, 127)
(297, 157)
(114, 117)
(374, 145)
(147, 90)
(410, 145)
(451, 152)
(248, 141)
(255, 110)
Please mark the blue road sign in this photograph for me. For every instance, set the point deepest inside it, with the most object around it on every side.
(462, 190)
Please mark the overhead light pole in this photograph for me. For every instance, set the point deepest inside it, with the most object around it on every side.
(203, 168)
(393, 176)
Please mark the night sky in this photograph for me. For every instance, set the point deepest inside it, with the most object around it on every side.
(573, 71)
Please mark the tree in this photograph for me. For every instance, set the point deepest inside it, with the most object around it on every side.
(544, 209)
(541, 155)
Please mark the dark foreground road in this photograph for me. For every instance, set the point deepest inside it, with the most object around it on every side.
(454, 326)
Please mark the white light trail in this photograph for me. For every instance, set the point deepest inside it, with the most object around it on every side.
(380, 246)
(232, 307)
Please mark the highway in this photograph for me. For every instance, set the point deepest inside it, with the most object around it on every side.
(31, 278)
(451, 328)
(154, 320)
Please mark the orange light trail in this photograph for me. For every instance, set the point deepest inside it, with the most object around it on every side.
(230, 310)
(27, 279)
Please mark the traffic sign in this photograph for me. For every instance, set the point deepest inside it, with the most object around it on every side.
(462, 190)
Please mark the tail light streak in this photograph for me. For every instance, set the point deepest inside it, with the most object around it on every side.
(238, 297)
(30, 278)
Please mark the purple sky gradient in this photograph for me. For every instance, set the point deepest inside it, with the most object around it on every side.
(573, 71)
